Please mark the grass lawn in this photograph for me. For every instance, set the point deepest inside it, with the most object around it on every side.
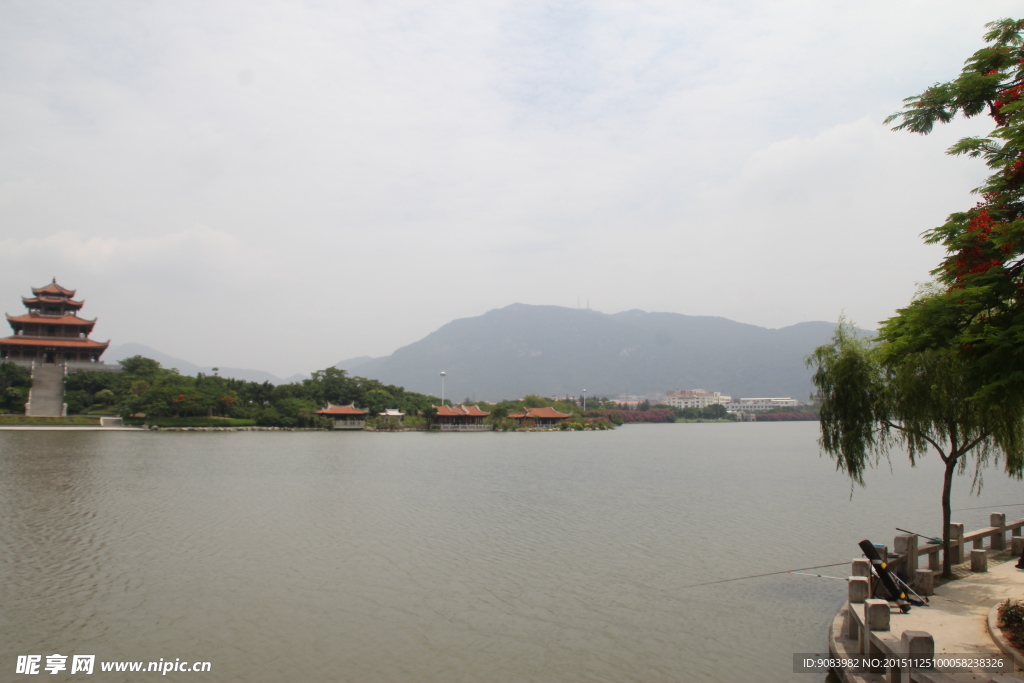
(26, 420)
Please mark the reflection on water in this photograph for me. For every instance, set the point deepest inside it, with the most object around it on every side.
(454, 557)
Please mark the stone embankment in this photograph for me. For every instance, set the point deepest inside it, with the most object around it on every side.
(958, 621)
(155, 428)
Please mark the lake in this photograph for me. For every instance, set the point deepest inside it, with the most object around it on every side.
(562, 556)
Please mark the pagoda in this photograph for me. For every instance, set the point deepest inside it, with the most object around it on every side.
(51, 332)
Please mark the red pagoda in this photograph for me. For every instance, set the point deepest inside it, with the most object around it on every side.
(52, 332)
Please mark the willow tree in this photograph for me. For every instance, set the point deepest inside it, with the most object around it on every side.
(874, 401)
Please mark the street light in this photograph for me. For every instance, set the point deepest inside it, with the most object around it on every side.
(442, 387)
(584, 400)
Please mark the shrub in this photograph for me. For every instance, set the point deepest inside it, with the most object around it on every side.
(1011, 616)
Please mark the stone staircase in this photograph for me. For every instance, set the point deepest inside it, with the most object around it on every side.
(46, 398)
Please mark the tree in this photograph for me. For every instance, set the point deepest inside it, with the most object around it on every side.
(138, 365)
(978, 307)
(873, 400)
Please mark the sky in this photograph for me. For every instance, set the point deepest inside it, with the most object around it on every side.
(284, 185)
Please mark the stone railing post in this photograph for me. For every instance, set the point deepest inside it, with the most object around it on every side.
(924, 581)
(858, 589)
(876, 618)
(861, 566)
(979, 560)
(956, 543)
(934, 562)
(998, 519)
(1017, 545)
(915, 644)
(906, 544)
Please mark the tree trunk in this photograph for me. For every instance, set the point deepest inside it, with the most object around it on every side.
(947, 487)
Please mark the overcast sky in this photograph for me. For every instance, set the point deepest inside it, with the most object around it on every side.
(283, 185)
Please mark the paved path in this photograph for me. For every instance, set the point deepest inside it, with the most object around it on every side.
(957, 617)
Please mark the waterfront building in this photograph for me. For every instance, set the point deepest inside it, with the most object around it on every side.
(539, 417)
(344, 417)
(759, 405)
(462, 418)
(51, 331)
(695, 398)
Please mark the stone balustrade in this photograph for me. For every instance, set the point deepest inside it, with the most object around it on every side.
(867, 620)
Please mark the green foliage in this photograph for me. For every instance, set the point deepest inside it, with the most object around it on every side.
(142, 367)
(978, 306)
(27, 420)
(15, 382)
(849, 381)
(1011, 618)
(873, 399)
(145, 390)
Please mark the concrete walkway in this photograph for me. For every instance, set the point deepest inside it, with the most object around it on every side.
(957, 618)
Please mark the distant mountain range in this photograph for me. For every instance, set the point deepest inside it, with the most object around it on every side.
(554, 351)
(116, 352)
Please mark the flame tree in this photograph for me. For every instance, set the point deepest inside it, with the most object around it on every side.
(947, 372)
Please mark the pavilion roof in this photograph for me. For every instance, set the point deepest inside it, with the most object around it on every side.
(40, 300)
(53, 288)
(340, 411)
(63, 342)
(460, 411)
(544, 413)
(50, 320)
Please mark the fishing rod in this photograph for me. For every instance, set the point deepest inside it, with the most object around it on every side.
(757, 576)
(822, 576)
(927, 538)
(986, 507)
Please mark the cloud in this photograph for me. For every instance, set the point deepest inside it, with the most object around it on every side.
(197, 250)
(221, 179)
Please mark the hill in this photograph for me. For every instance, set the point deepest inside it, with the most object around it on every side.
(551, 350)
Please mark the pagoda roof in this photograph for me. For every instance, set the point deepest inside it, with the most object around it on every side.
(63, 342)
(50, 319)
(53, 288)
(40, 300)
(341, 410)
(460, 411)
(543, 413)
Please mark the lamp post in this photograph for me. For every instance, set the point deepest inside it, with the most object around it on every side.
(584, 400)
(442, 387)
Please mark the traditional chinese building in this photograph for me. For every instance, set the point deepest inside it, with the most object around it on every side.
(462, 419)
(344, 417)
(539, 417)
(51, 331)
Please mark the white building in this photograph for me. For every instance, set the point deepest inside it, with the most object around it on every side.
(755, 405)
(695, 398)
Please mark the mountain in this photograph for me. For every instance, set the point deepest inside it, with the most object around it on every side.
(116, 352)
(551, 350)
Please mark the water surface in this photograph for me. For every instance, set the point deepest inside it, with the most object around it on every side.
(567, 556)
